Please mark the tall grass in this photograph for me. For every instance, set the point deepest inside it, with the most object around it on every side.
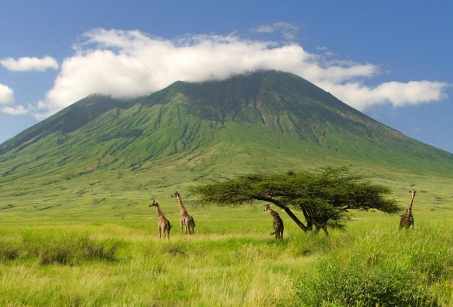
(54, 246)
(127, 265)
(89, 245)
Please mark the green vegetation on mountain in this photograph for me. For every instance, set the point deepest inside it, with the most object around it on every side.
(262, 121)
(273, 110)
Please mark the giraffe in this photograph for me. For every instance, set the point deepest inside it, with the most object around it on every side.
(186, 220)
(407, 220)
(163, 223)
(278, 223)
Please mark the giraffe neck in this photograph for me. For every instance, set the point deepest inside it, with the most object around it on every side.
(159, 213)
(182, 209)
(409, 208)
(273, 213)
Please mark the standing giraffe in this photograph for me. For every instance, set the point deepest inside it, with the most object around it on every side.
(278, 223)
(163, 223)
(186, 220)
(407, 220)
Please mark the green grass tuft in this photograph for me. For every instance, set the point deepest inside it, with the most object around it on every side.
(60, 248)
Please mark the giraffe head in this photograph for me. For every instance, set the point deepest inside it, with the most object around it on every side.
(176, 194)
(267, 207)
(154, 204)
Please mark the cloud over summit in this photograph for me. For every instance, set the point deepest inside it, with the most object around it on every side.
(131, 63)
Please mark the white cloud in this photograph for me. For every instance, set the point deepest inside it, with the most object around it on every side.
(27, 63)
(17, 110)
(397, 93)
(6, 94)
(288, 30)
(6, 99)
(130, 63)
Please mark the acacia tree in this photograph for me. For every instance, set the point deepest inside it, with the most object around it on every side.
(324, 197)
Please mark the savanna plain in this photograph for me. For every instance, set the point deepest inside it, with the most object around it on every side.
(94, 242)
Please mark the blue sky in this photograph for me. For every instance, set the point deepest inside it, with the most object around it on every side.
(392, 60)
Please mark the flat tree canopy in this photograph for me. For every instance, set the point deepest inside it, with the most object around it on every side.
(324, 197)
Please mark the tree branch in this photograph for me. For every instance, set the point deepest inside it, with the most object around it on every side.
(282, 206)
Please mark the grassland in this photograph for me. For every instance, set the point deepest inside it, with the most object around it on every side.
(231, 262)
(91, 241)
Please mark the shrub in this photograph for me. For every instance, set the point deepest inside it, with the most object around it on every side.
(360, 282)
(9, 250)
(65, 249)
(72, 249)
(56, 254)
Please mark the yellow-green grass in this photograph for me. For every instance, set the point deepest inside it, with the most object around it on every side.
(94, 242)
(230, 261)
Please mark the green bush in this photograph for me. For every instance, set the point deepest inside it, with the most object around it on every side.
(365, 282)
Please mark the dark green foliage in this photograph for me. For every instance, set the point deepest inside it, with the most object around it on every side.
(323, 197)
(382, 269)
(364, 284)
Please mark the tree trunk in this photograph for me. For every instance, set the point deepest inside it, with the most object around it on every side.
(295, 219)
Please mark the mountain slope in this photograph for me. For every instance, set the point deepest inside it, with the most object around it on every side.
(68, 120)
(265, 120)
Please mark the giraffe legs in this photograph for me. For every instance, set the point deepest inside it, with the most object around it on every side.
(182, 225)
(190, 224)
(168, 232)
(189, 229)
(278, 235)
(187, 225)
